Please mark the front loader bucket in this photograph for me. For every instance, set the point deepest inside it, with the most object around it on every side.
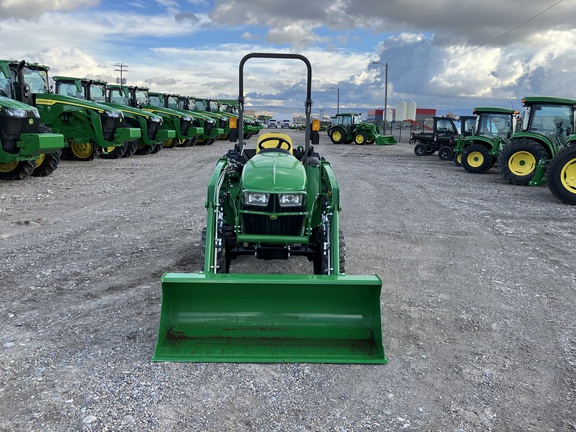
(386, 140)
(270, 318)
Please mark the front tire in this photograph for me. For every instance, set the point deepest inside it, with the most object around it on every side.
(46, 164)
(562, 175)
(518, 161)
(420, 149)
(360, 138)
(476, 159)
(17, 170)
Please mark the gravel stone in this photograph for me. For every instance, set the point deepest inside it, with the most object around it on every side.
(477, 302)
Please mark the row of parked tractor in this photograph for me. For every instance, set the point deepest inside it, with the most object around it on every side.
(537, 148)
(80, 119)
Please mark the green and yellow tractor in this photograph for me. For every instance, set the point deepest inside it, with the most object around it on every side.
(88, 128)
(547, 124)
(151, 134)
(271, 202)
(493, 128)
(26, 146)
(561, 173)
(183, 125)
(349, 127)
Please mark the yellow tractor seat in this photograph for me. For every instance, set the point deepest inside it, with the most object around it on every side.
(274, 140)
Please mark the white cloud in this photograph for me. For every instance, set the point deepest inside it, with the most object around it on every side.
(31, 9)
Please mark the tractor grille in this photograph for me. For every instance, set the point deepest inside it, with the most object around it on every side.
(184, 126)
(12, 127)
(109, 126)
(208, 126)
(262, 224)
(153, 128)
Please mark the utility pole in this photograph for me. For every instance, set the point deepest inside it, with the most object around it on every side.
(121, 68)
(385, 91)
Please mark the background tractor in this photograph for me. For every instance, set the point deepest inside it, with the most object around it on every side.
(494, 127)
(453, 150)
(88, 128)
(271, 202)
(547, 123)
(349, 127)
(186, 128)
(151, 135)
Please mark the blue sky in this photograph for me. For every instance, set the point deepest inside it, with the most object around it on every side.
(442, 54)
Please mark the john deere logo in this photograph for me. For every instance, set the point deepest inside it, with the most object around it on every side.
(31, 121)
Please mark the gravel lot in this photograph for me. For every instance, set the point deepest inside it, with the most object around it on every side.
(478, 302)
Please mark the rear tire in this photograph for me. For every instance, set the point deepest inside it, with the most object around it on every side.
(476, 159)
(337, 135)
(562, 175)
(445, 153)
(46, 164)
(518, 161)
(84, 152)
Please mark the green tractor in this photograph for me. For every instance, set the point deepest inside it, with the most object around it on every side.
(494, 127)
(349, 127)
(185, 127)
(230, 107)
(151, 135)
(547, 124)
(88, 128)
(561, 175)
(26, 146)
(216, 126)
(271, 202)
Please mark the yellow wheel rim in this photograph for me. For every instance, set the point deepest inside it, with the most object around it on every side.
(336, 136)
(360, 139)
(82, 150)
(169, 143)
(568, 176)
(8, 167)
(40, 160)
(522, 163)
(459, 158)
(475, 159)
(108, 149)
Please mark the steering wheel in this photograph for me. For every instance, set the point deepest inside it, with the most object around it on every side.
(279, 145)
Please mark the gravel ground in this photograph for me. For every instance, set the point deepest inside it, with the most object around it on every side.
(477, 302)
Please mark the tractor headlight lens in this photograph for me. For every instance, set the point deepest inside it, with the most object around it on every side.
(253, 198)
(114, 114)
(186, 119)
(291, 200)
(15, 112)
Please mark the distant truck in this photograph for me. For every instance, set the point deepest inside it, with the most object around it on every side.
(285, 124)
(272, 123)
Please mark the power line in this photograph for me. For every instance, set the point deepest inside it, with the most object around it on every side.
(483, 45)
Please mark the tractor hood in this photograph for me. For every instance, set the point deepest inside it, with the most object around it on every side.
(15, 105)
(273, 171)
(51, 99)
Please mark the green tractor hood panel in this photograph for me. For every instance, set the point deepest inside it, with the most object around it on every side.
(275, 171)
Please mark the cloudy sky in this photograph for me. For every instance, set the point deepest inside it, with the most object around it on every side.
(443, 54)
